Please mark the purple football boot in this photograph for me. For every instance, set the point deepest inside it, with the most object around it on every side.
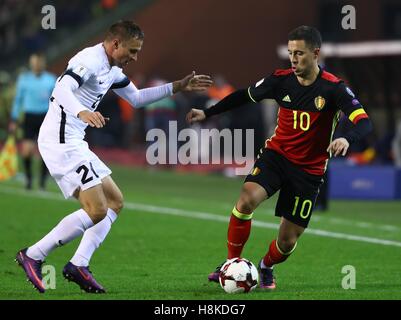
(83, 277)
(266, 277)
(32, 268)
(214, 276)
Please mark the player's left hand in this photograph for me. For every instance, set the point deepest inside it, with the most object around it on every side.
(338, 146)
(192, 82)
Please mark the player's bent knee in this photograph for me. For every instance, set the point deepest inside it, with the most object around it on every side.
(246, 203)
(244, 206)
(97, 216)
(116, 205)
(97, 212)
(250, 198)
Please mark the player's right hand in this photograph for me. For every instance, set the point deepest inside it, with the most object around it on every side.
(94, 119)
(338, 147)
(195, 115)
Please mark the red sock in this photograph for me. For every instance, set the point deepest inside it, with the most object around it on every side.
(274, 255)
(238, 234)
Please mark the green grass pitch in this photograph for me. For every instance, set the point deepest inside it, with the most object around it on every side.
(172, 233)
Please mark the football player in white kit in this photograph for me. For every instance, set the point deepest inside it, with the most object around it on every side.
(76, 169)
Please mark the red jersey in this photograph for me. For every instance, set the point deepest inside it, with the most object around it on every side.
(307, 115)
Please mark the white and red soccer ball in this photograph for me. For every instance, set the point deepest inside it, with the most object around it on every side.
(238, 275)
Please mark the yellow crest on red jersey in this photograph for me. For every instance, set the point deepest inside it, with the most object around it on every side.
(320, 102)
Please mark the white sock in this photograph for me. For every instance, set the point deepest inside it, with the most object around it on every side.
(92, 239)
(68, 229)
(263, 266)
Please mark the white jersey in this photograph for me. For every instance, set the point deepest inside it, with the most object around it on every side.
(91, 69)
(96, 76)
(81, 87)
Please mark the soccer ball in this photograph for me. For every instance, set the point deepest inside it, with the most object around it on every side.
(238, 275)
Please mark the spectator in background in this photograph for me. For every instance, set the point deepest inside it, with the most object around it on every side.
(158, 114)
(396, 145)
(133, 119)
(6, 98)
(383, 147)
(33, 91)
(220, 89)
(109, 4)
(127, 114)
(217, 92)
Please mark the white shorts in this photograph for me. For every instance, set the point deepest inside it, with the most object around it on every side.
(73, 166)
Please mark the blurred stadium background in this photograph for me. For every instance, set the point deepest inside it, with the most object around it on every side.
(237, 43)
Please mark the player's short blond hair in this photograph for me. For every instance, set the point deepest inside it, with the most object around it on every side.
(125, 30)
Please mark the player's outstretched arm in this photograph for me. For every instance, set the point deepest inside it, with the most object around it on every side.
(192, 82)
(140, 98)
(232, 101)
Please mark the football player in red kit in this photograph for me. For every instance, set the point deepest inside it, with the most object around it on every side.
(293, 161)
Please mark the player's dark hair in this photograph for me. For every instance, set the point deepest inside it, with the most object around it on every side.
(125, 30)
(310, 35)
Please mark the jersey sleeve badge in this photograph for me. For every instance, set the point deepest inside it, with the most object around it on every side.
(80, 70)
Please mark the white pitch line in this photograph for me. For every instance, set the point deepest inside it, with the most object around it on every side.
(325, 220)
(206, 216)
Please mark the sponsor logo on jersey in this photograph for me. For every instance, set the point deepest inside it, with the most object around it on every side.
(320, 102)
(287, 98)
